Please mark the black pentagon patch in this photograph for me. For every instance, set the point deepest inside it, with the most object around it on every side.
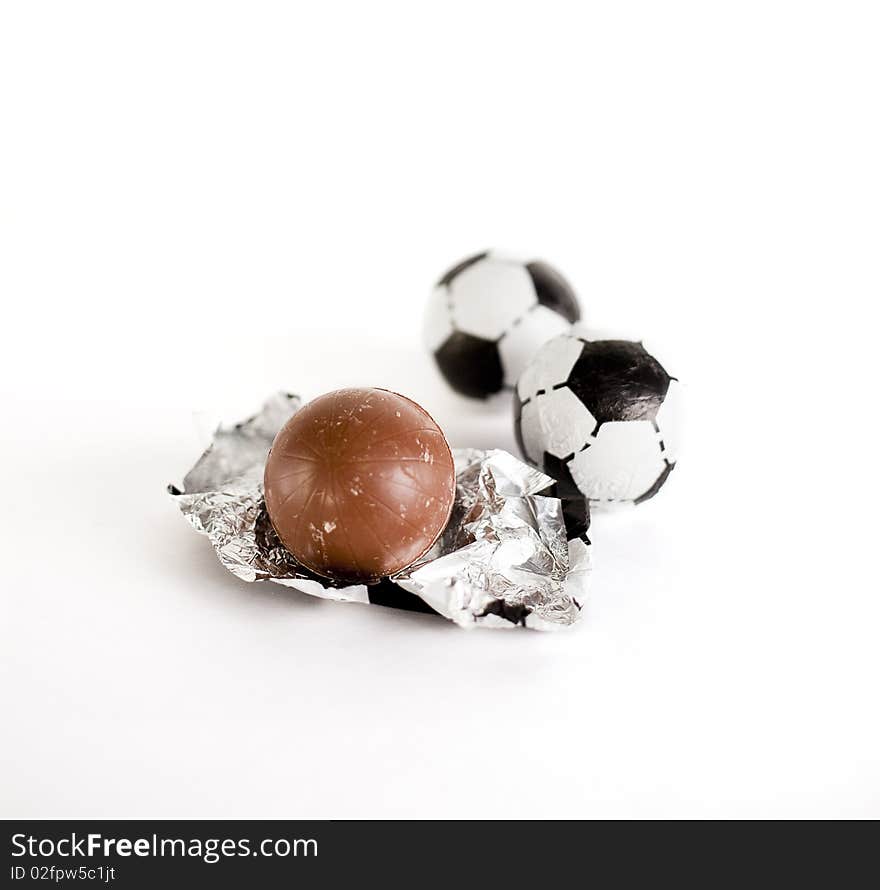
(565, 485)
(471, 365)
(554, 291)
(658, 484)
(619, 380)
(458, 269)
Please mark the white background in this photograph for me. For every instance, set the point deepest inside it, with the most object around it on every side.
(202, 204)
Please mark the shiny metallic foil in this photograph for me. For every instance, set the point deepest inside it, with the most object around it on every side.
(510, 555)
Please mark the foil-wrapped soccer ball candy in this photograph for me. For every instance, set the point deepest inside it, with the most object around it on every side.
(601, 416)
(489, 314)
(359, 484)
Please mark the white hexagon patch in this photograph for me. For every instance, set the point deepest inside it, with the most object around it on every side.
(488, 297)
(558, 423)
(519, 345)
(551, 365)
(623, 462)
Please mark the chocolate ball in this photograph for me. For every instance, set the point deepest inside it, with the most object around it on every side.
(359, 484)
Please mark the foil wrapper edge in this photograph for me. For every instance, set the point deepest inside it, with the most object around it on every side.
(508, 557)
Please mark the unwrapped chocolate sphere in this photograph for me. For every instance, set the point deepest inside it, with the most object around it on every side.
(601, 416)
(489, 314)
(359, 484)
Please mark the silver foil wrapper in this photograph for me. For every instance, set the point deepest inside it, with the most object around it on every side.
(510, 555)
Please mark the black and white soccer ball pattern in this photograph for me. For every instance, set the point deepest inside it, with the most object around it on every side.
(601, 416)
(488, 316)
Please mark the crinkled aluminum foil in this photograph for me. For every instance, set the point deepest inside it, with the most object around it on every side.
(504, 559)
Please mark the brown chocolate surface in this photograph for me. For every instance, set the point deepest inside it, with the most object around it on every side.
(359, 484)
